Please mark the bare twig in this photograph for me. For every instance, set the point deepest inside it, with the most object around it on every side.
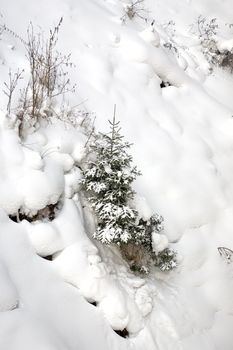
(91, 133)
(135, 9)
(11, 85)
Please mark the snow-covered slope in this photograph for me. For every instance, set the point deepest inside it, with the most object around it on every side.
(183, 143)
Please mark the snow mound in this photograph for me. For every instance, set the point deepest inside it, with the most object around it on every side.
(179, 117)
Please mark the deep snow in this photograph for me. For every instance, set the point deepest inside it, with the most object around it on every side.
(183, 144)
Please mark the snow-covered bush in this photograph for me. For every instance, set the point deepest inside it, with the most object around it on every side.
(169, 30)
(165, 260)
(107, 181)
(207, 31)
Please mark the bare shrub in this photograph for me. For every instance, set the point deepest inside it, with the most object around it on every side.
(47, 65)
(135, 9)
(45, 94)
(169, 28)
(137, 256)
(48, 77)
(74, 115)
(2, 28)
(227, 60)
(207, 31)
(226, 254)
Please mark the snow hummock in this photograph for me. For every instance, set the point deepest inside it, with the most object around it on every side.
(179, 117)
(159, 242)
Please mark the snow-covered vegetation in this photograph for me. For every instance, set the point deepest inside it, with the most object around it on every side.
(107, 180)
(167, 66)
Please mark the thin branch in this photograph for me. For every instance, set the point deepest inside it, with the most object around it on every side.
(11, 86)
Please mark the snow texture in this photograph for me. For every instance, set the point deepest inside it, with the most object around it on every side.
(179, 117)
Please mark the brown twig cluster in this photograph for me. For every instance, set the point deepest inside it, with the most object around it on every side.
(48, 78)
(48, 71)
(135, 9)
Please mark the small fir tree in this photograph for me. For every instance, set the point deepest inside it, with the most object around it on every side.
(107, 181)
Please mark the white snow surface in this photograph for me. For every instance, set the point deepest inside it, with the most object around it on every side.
(182, 138)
